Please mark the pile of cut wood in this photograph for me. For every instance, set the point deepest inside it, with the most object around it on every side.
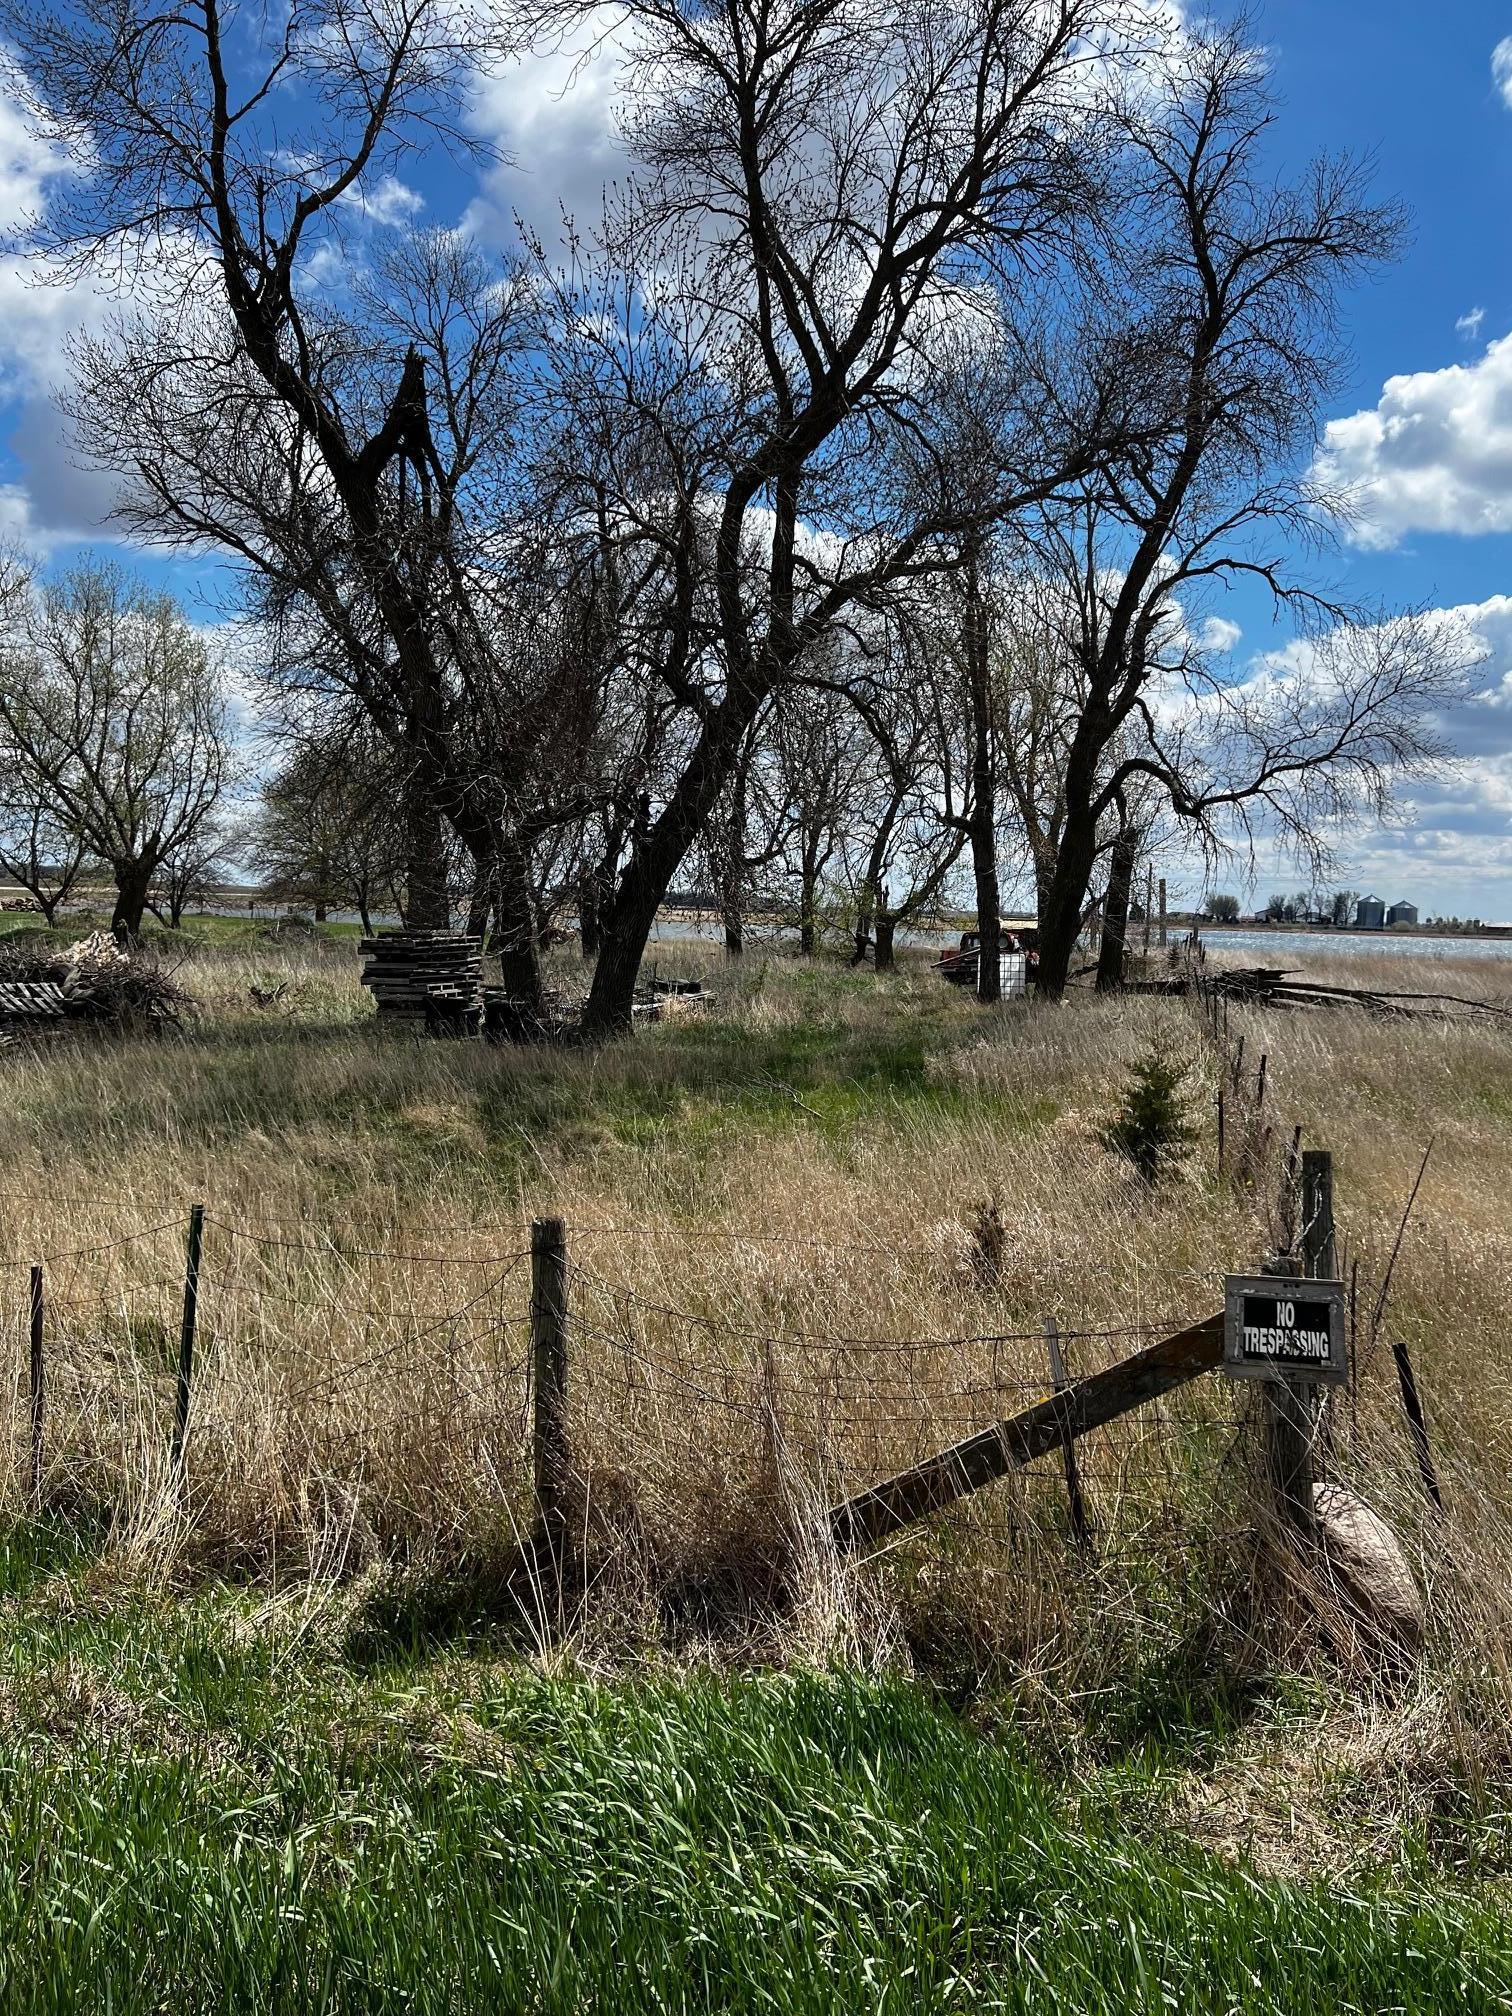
(434, 974)
(25, 1003)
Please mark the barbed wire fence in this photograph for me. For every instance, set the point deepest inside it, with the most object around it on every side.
(255, 1374)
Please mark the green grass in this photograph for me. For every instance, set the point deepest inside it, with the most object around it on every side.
(203, 1808)
(241, 1827)
(704, 1084)
(198, 928)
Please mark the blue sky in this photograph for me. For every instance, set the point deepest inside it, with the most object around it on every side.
(1423, 431)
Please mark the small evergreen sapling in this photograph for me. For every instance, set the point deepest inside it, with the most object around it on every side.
(1151, 1128)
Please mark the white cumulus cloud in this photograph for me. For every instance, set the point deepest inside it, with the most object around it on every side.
(1219, 634)
(386, 201)
(554, 116)
(1434, 454)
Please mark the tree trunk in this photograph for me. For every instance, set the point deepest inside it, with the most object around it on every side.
(732, 891)
(989, 922)
(884, 930)
(427, 904)
(320, 913)
(480, 901)
(1064, 892)
(656, 856)
(133, 881)
(588, 914)
(983, 827)
(1110, 958)
(1061, 907)
(808, 906)
(517, 945)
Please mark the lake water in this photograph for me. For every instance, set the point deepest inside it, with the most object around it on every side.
(1269, 948)
(1274, 948)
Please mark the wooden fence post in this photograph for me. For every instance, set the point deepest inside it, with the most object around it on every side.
(548, 1335)
(1081, 1530)
(1291, 1414)
(186, 1337)
(1288, 1436)
(1319, 1247)
(37, 1390)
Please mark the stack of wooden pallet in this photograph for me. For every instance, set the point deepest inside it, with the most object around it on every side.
(433, 973)
(30, 1004)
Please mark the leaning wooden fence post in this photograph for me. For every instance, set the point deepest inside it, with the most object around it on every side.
(1081, 1530)
(548, 1337)
(186, 1337)
(37, 1390)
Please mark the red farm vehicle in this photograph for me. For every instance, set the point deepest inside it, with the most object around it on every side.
(1018, 959)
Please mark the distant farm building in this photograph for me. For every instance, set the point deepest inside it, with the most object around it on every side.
(1370, 914)
(1402, 913)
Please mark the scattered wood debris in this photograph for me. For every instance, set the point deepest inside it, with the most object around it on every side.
(42, 987)
(24, 1001)
(661, 998)
(1277, 987)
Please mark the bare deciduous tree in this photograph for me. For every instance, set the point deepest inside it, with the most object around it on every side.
(350, 457)
(1237, 281)
(41, 854)
(812, 788)
(113, 720)
(195, 872)
(328, 831)
(821, 191)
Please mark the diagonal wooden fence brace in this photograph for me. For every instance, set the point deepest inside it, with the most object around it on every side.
(983, 1458)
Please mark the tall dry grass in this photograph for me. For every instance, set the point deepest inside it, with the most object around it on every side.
(777, 1297)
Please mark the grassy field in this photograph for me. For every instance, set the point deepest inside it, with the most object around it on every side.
(203, 1818)
(295, 1717)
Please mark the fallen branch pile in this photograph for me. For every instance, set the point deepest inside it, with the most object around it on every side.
(45, 986)
(1277, 987)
